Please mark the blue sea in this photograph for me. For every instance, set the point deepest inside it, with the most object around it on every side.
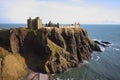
(8, 26)
(103, 65)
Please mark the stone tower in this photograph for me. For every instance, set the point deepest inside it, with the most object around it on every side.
(34, 23)
(29, 23)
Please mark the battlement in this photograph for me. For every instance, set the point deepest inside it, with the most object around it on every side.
(34, 23)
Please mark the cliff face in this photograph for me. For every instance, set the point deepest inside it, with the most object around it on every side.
(50, 50)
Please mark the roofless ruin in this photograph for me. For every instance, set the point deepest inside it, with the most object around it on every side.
(37, 24)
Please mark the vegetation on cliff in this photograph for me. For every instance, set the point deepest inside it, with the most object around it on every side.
(12, 65)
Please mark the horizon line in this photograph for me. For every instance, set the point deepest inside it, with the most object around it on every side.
(73, 23)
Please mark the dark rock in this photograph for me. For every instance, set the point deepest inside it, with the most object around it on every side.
(69, 38)
(105, 42)
(104, 45)
(96, 48)
(4, 39)
(56, 37)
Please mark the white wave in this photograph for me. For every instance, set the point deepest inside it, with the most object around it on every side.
(102, 48)
(96, 40)
(97, 58)
(92, 56)
(85, 62)
(116, 49)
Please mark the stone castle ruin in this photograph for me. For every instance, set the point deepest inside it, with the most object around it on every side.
(37, 24)
(34, 23)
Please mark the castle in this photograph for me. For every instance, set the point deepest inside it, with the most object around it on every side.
(34, 23)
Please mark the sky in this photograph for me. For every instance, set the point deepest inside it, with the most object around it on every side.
(62, 11)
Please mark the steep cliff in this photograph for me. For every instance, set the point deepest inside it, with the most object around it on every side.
(47, 50)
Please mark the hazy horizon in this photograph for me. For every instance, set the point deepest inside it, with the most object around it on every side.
(62, 11)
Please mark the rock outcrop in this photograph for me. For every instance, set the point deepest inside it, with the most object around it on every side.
(102, 43)
(47, 50)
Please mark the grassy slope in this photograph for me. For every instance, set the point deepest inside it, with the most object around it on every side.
(12, 65)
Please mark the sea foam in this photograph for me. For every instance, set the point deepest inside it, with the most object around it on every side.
(116, 49)
(98, 57)
(102, 48)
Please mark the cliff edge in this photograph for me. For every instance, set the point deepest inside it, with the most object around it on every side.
(47, 50)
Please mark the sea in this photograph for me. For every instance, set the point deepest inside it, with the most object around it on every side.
(103, 65)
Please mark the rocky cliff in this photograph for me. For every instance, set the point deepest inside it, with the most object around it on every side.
(47, 50)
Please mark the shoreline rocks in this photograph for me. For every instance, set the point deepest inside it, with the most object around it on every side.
(103, 43)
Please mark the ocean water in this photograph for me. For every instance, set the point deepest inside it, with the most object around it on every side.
(103, 65)
(8, 26)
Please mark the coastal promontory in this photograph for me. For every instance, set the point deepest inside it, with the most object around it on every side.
(24, 52)
(46, 50)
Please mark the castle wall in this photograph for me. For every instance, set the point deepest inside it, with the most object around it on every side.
(39, 23)
(34, 23)
(29, 23)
